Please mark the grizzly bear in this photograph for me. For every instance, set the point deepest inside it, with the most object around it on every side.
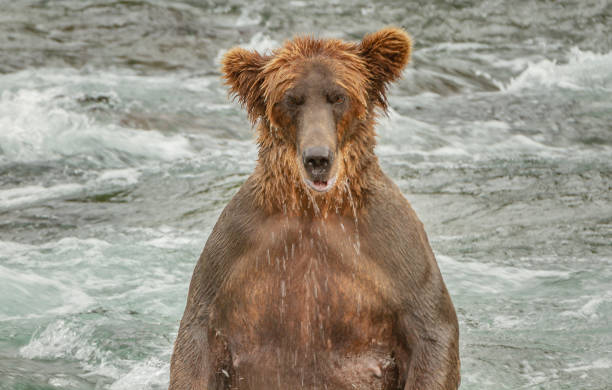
(318, 273)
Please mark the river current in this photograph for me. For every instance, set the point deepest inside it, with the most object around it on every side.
(119, 148)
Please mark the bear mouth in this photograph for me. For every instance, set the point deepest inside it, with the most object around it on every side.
(321, 185)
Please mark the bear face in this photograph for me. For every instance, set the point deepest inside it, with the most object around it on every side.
(315, 101)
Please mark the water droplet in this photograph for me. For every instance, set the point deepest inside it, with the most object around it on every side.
(283, 292)
(356, 244)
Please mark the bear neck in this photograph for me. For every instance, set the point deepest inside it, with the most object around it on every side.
(279, 188)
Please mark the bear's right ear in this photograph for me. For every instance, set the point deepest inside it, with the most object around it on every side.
(243, 73)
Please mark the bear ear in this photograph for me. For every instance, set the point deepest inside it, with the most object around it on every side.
(243, 73)
(386, 53)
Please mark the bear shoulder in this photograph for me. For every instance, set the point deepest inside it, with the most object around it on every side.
(394, 234)
(230, 238)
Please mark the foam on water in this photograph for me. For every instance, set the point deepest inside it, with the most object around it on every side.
(475, 140)
(93, 292)
(150, 374)
(259, 42)
(117, 84)
(59, 340)
(105, 181)
(584, 70)
(120, 176)
(25, 196)
(488, 278)
(78, 271)
(599, 364)
(74, 340)
(30, 295)
(590, 308)
(35, 127)
(248, 17)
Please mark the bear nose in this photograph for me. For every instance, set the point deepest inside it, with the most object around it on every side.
(317, 160)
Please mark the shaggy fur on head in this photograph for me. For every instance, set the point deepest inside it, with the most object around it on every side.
(364, 70)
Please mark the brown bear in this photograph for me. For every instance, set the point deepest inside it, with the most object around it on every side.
(318, 273)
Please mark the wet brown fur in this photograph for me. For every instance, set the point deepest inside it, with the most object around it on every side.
(337, 290)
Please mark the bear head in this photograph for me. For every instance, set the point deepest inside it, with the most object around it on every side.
(314, 101)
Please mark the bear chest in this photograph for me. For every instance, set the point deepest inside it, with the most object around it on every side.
(306, 286)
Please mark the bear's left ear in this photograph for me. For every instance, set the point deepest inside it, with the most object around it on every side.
(243, 73)
(386, 53)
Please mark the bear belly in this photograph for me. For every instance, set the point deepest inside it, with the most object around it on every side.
(314, 319)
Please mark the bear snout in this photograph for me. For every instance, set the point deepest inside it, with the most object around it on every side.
(318, 162)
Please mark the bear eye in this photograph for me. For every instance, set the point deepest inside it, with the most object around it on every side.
(336, 98)
(295, 100)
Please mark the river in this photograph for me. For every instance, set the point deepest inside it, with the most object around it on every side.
(119, 148)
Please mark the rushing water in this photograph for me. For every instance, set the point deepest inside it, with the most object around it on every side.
(119, 148)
